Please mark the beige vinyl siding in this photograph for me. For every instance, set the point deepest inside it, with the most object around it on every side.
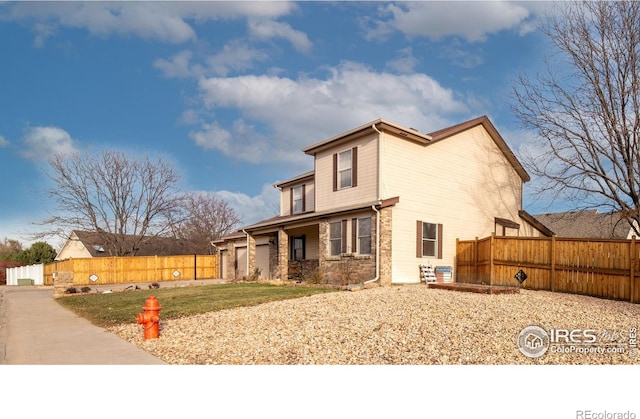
(462, 182)
(312, 238)
(366, 189)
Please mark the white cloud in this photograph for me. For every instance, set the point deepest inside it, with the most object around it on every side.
(405, 63)
(252, 209)
(164, 21)
(235, 56)
(265, 29)
(3, 142)
(179, 66)
(43, 142)
(279, 116)
(472, 20)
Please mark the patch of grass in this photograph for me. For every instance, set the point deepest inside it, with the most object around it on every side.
(121, 307)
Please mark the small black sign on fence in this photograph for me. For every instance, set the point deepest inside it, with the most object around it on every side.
(521, 276)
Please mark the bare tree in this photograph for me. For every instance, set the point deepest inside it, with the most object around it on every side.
(124, 198)
(585, 107)
(205, 218)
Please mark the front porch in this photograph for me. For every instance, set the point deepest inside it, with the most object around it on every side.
(310, 251)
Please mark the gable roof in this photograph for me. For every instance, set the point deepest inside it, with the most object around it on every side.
(493, 132)
(414, 135)
(304, 176)
(150, 246)
(377, 125)
(586, 224)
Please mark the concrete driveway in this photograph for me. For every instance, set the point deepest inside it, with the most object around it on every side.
(36, 330)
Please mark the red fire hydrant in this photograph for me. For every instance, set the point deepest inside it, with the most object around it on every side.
(150, 319)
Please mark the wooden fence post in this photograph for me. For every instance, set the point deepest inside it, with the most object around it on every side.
(632, 269)
(475, 261)
(491, 252)
(552, 275)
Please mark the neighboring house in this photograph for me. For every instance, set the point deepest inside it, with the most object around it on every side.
(587, 224)
(86, 244)
(382, 200)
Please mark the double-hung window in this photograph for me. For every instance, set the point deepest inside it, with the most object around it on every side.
(364, 236)
(428, 240)
(297, 199)
(297, 248)
(345, 169)
(335, 238)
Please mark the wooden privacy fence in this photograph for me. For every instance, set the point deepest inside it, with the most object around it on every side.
(123, 270)
(596, 267)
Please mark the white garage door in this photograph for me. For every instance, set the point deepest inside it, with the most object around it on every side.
(262, 260)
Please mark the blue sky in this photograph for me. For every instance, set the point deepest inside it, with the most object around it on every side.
(231, 91)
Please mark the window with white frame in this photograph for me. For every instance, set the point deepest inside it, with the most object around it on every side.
(364, 236)
(297, 199)
(344, 169)
(335, 238)
(428, 240)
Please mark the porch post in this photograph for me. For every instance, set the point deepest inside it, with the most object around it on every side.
(283, 254)
(386, 261)
(251, 252)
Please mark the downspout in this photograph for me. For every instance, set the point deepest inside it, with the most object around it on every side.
(373, 207)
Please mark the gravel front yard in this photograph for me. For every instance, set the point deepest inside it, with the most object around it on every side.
(392, 325)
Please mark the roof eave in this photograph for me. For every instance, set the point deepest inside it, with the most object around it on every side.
(379, 125)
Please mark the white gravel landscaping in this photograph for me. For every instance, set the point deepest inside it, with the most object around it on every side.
(396, 325)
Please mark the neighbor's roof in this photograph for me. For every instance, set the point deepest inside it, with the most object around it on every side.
(150, 246)
(586, 224)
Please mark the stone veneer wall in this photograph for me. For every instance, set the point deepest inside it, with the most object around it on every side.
(251, 249)
(61, 282)
(283, 255)
(274, 270)
(346, 269)
(385, 245)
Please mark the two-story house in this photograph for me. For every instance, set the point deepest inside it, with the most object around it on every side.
(381, 201)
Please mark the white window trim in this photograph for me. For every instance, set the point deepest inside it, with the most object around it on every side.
(339, 239)
(370, 235)
(341, 169)
(294, 200)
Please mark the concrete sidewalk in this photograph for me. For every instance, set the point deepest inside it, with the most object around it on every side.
(36, 330)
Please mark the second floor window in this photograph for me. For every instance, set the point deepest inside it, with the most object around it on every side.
(297, 200)
(344, 169)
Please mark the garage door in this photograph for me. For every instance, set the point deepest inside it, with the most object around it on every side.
(241, 262)
(224, 255)
(262, 260)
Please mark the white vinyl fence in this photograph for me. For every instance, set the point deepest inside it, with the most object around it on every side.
(26, 275)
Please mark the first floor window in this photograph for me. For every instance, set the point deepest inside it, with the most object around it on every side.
(428, 240)
(364, 236)
(335, 238)
(297, 248)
